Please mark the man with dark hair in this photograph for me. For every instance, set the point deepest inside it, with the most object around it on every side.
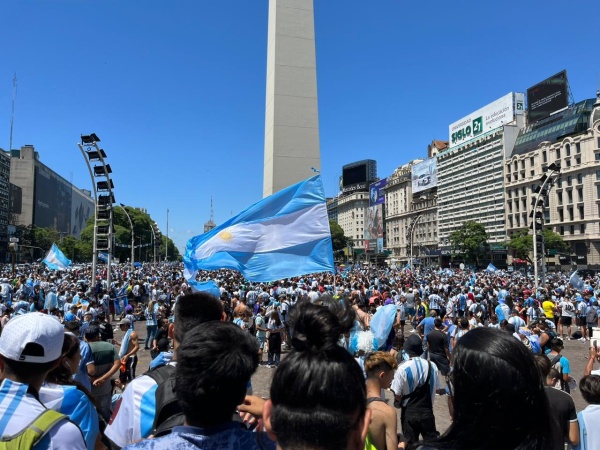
(561, 403)
(107, 363)
(86, 368)
(415, 384)
(215, 363)
(439, 351)
(134, 416)
(30, 347)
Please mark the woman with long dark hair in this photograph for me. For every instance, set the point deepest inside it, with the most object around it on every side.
(318, 394)
(67, 396)
(497, 397)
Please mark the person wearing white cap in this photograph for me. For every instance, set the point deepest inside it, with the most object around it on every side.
(30, 347)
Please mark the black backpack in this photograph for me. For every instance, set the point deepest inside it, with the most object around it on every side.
(168, 412)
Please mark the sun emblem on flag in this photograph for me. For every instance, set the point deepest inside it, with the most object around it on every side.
(226, 235)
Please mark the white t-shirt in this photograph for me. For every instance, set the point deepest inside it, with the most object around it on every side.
(567, 309)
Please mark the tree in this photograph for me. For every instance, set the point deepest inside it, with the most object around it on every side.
(521, 242)
(338, 239)
(470, 239)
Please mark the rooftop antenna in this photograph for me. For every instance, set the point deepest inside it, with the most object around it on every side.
(12, 115)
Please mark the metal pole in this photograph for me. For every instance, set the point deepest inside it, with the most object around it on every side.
(535, 207)
(132, 236)
(167, 241)
(412, 233)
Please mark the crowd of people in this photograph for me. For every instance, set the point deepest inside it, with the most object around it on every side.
(490, 343)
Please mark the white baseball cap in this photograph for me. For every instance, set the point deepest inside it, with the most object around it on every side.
(32, 328)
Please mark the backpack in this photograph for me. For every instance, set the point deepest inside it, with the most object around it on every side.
(555, 363)
(592, 315)
(33, 433)
(168, 412)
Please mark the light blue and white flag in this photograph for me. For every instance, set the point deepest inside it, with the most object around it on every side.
(576, 281)
(284, 235)
(103, 256)
(205, 286)
(56, 260)
(491, 268)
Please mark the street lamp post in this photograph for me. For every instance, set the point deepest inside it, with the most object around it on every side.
(132, 236)
(412, 227)
(546, 180)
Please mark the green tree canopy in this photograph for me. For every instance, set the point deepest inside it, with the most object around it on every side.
(338, 239)
(521, 242)
(470, 239)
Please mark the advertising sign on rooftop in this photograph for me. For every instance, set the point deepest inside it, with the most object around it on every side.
(377, 192)
(488, 118)
(424, 175)
(547, 97)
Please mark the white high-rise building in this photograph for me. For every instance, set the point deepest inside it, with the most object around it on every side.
(292, 116)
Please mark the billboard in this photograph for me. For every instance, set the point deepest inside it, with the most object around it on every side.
(424, 175)
(374, 229)
(377, 192)
(354, 175)
(486, 119)
(82, 208)
(52, 207)
(547, 97)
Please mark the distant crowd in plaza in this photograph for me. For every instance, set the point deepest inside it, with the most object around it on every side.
(360, 347)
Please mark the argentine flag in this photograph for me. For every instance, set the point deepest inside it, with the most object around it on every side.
(576, 281)
(56, 260)
(491, 268)
(284, 235)
(208, 286)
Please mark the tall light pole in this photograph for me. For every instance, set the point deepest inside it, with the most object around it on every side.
(411, 231)
(103, 199)
(132, 236)
(546, 180)
(167, 242)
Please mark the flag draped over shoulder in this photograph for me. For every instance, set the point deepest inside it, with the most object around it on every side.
(576, 281)
(284, 235)
(56, 260)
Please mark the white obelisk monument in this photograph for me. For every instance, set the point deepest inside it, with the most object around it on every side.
(292, 115)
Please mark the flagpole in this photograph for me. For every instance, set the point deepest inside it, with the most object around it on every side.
(167, 242)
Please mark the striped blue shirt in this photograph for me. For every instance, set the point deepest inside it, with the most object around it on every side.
(413, 373)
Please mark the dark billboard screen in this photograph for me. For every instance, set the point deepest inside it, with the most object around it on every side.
(547, 97)
(354, 175)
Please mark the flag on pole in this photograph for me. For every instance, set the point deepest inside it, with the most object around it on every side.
(284, 235)
(491, 268)
(576, 281)
(56, 260)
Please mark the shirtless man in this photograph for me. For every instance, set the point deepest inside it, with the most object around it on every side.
(128, 352)
(379, 367)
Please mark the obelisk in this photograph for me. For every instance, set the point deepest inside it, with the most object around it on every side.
(292, 116)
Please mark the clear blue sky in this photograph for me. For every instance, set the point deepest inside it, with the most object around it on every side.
(176, 89)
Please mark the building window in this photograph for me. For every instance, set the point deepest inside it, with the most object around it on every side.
(578, 148)
(568, 149)
(562, 231)
(559, 183)
(559, 197)
(558, 153)
(579, 178)
(598, 191)
(581, 212)
(568, 161)
(561, 217)
(579, 195)
(571, 217)
(569, 180)
(597, 155)
(544, 157)
(582, 228)
(569, 197)
(597, 175)
(572, 229)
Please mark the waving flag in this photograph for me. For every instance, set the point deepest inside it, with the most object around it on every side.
(56, 260)
(491, 268)
(576, 281)
(284, 235)
(208, 286)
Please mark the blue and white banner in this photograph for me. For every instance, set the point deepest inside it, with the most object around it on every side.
(576, 281)
(284, 235)
(103, 256)
(491, 268)
(56, 260)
